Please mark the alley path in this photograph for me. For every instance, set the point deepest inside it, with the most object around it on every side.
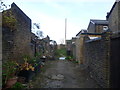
(63, 74)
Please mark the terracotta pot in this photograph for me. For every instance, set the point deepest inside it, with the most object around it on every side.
(21, 79)
(11, 82)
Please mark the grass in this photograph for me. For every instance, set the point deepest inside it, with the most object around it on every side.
(61, 52)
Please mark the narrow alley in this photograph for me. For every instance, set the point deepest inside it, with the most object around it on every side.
(58, 44)
(63, 74)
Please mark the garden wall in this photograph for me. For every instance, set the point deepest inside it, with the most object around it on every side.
(97, 54)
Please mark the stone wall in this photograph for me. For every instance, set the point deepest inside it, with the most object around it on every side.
(97, 55)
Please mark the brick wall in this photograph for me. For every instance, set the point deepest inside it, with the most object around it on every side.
(114, 17)
(97, 54)
(99, 28)
(80, 49)
(7, 44)
(16, 42)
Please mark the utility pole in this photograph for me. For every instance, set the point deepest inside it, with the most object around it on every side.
(65, 29)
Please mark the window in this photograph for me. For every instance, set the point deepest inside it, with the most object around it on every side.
(105, 28)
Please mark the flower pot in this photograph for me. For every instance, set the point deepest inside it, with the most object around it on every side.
(21, 79)
(27, 74)
(10, 82)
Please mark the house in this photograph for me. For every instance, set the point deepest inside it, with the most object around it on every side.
(97, 26)
(16, 34)
(114, 17)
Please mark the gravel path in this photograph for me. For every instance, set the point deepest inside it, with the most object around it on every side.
(63, 74)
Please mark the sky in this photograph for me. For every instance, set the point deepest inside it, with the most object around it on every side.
(51, 15)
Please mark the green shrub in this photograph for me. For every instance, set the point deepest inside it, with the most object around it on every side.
(18, 85)
(61, 52)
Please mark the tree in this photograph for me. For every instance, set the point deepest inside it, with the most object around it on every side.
(38, 32)
(8, 18)
(37, 25)
(3, 6)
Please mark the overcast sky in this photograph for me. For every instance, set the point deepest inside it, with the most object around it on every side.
(51, 14)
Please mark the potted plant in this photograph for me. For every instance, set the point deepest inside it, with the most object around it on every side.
(9, 73)
(26, 70)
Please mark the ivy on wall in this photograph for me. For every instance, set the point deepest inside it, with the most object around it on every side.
(9, 20)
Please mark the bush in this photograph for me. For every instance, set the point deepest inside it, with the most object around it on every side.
(18, 85)
(61, 52)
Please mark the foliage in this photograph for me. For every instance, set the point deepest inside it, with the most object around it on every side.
(75, 61)
(9, 20)
(39, 34)
(69, 57)
(33, 60)
(9, 70)
(38, 55)
(18, 85)
(29, 63)
(26, 57)
(37, 25)
(3, 6)
(61, 52)
(11, 67)
(26, 65)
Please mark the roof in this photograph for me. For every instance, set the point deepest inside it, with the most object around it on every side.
(101, 22)
(82, 31)
(91, 33)
(117, 1)
(111, 10)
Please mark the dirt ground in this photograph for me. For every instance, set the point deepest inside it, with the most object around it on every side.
(63, 74)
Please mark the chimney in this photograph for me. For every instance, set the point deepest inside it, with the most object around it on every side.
(107, 15)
